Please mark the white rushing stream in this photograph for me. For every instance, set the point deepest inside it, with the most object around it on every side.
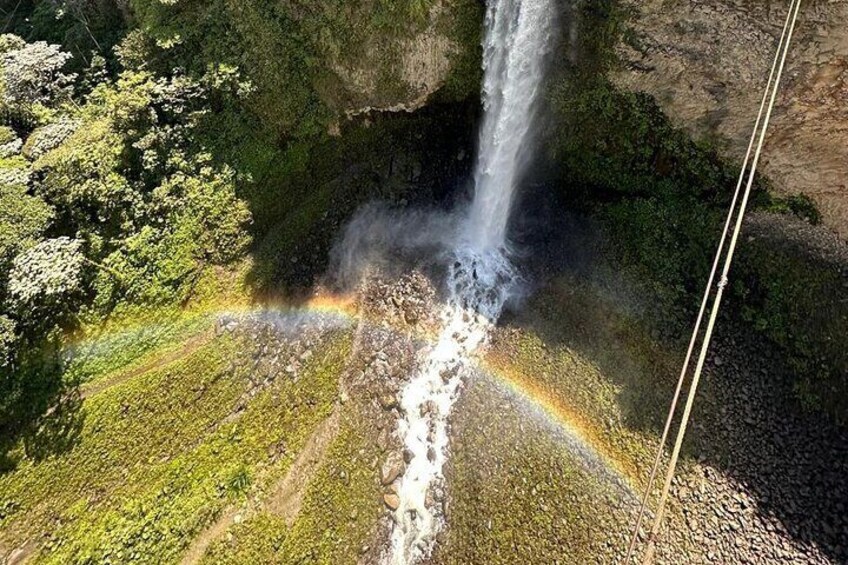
(481, 277)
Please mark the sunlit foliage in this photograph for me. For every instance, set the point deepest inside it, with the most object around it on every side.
(107, 196)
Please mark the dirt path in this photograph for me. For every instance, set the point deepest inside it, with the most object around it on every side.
(286, 496)
(22, 554)
(201, 543)
(189, 346)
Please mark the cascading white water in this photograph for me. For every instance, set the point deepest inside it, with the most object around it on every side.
(481, 277)
(518, 38)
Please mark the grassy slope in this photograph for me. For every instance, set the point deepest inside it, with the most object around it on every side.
(519, 493)
(153, 461)
(136, 336)
(106, 354)
(340, 509)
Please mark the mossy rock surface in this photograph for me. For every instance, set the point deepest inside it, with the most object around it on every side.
(311, 64)
(523, 488)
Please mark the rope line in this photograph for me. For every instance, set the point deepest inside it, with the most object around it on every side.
(777, 66)
(705, 300)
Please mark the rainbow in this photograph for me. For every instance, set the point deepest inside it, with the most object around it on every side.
(546, 402)
(556, 412)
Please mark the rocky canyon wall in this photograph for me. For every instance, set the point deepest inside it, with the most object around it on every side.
(706, 63)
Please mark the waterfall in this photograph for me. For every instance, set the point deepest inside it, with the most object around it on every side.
(481, 277)
(516, 42)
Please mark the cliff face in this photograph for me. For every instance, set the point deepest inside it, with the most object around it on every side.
(706, 63)
(312, 63)
(401, 70)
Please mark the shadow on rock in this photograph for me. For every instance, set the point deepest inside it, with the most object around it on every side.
(748, 424)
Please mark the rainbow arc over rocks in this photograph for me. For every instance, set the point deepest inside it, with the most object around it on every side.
(547, 403)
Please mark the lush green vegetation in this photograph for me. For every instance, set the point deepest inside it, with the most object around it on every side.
(340, 509)
(163, 158)
(140, 164)
(138, 157)
(121, 348)
(796, 297)
(310, 64)
(111, 203)
(207, 443)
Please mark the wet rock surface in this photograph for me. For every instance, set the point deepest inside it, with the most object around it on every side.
(523, 488)
(395, 316)
(405, 302)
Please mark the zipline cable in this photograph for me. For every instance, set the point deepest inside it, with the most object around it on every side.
(780, 56)
(707, 291)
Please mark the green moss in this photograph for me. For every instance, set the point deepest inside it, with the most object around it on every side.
(796, 299)
(298, 58)
(155, 459)
(341, 505)
(596, 354)
(541, 502)
(340, 508)
(463, 25)
(134, 336)
(259, 540)
(153, 417)
(667, 241)
(617, 143)
(800, 205)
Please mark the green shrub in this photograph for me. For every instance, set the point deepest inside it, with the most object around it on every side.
(800, 205)
(668, 241)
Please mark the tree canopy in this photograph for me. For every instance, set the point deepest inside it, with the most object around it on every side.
(108, 196)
